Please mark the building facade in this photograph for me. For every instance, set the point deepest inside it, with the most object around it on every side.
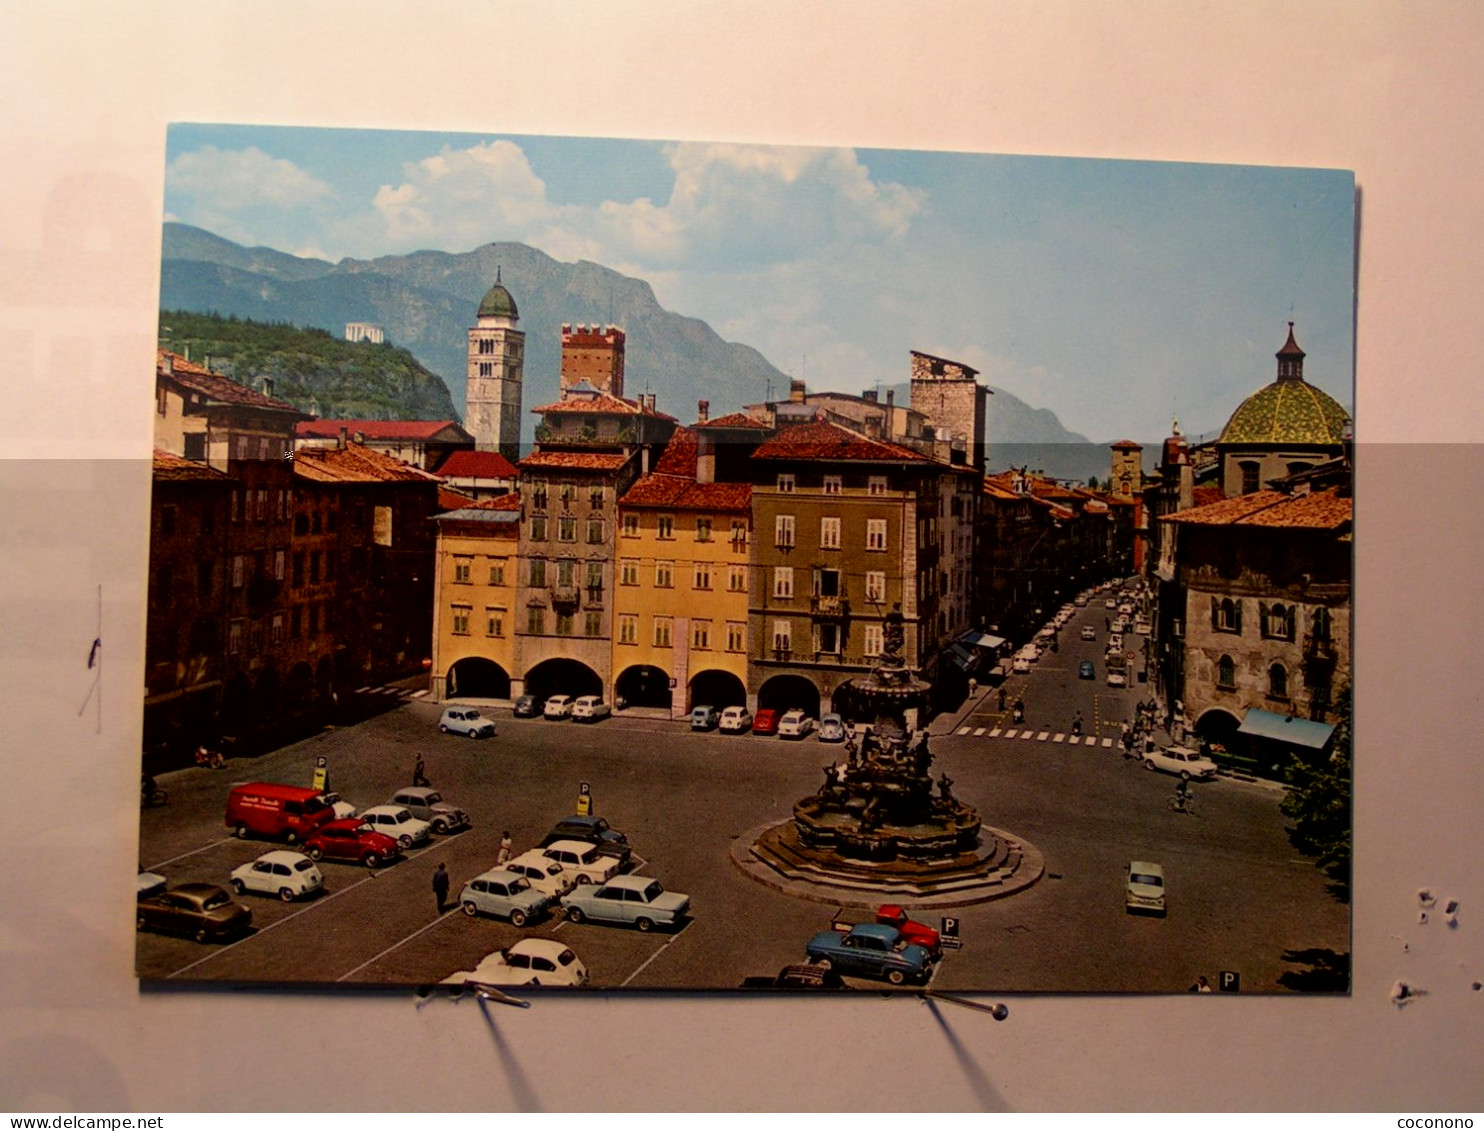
(477, 559)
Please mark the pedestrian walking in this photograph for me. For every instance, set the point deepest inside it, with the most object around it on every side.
(504, 853)
(440, 886)
(1002, 699)
(1077, 726)
(420, 772)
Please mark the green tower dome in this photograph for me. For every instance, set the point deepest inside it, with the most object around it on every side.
(1289, 411)
(497, 302)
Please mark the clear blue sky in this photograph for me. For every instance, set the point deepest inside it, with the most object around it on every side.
(1115, 293)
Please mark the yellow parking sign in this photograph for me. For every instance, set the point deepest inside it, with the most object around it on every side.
(584, 800)
(321, 773)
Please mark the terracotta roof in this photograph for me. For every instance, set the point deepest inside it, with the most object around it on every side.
(679, 456)
(823, 440)
(355, 463)
(604, 404)
(678, 492)
(999, 491)
(581, 461)
(510, 502)
(1204, 496)
(452, 500)
(373, 429)
(173, 366)
(178, 469)
(735, 420)
(1322, 510)
(477, 465)
(1127, 445)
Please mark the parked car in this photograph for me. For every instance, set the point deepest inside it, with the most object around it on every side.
(894, 915)
(428, 805)
(797, 976)
(151, 883)
(201, 911)
(1117, 678)
(590, 830)
(288, 875)
(530, 962)
(352, 839)
(704, 718)
(398, 823)
(794, 724)
(557, 707)
(1144, 887)
(1020, 665)
(870, 950)
(1115, 642)
(765, 721)
(832, 728)
(502, 893)
(589, 709)
(1111, 603)
(526, 707)
(341, 808)
(587, 864)
(735, 720)
(1085, 670)
(1089, 633)
(639, 900)
(281, 812)
(542, 873)
(1181, 760)
(466, 721)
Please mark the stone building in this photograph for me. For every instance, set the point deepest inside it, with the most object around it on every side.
(474, 582)
(1264, 639)
(953, 403)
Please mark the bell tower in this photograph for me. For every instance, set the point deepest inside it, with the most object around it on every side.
(493, 379)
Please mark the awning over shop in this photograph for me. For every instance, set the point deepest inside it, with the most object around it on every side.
(961, 656)
(981, 639)
(1286, 728)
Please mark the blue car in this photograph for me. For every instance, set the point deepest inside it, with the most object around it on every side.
(1085, 670)
(871, 950)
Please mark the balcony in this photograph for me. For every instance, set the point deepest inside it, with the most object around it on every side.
(565, 598)
(1319, 649)
(829, 606)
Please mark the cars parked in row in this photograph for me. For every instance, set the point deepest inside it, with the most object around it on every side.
(586, 862)
(704, 717)
(466, 721)
(794, 724)
(530, 962)
(639, 900)
(427, 804)
(279, 812)
(397, 822)
(204, 912)
(542, 873)
(504, 894)
(765, 721)
(734, 720)
(288, 875)
(354, 840)
(870, 950)
(589, 709)
(592, 830)
(894, 915)
(832, 728)
(557, 707)
(526, 707)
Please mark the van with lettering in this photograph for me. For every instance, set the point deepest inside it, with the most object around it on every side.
(279, 812)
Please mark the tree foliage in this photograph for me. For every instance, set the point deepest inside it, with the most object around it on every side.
(1319, 800)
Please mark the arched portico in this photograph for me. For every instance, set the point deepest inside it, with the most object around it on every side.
(716, 688)
(644, 685)
(562, 676)
(786, 692)
(475, 677)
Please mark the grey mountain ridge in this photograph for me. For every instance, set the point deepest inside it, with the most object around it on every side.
(426, 301)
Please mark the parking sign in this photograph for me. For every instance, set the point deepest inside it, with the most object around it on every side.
(1229, 981)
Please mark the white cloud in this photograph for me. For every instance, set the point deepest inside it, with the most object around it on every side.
(227, 180)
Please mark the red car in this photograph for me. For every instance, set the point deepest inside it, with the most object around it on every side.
(913, 931)
(766, 721)
(352, 839)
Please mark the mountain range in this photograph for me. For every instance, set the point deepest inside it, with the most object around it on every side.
(426, 301)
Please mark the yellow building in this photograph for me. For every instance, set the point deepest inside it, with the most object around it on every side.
(474, 583)
(680, 605)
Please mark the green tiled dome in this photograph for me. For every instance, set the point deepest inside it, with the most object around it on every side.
(497, 303)
(1287, 412)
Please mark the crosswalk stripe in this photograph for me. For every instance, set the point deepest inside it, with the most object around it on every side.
(995, 733)
(1107, 742)
(1059, 737)
(1042, 736)
(978, 732)
(363, 690)
(1027, 734)
(1091, 741)
(1012, 733)
(419, 694)
(963, 730)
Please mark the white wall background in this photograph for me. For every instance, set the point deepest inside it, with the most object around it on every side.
(1389, 89)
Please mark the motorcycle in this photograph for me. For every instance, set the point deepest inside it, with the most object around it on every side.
(213, 758)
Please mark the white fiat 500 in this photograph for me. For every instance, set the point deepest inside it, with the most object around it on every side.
(398, 823)
(288, 875)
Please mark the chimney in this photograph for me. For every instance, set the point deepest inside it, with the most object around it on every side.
(796, 394)
(705, 456)
(361, 438)
(170, 364)
(869, 396)
(342, 436)
(267, 386)
(891, 397)
(703, 410)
